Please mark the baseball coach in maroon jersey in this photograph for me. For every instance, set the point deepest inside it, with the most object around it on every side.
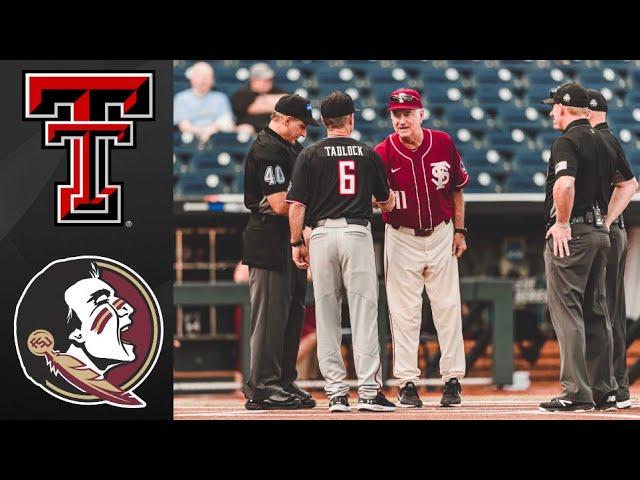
(424, 237)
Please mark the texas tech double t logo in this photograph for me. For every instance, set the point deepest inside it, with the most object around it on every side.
(88, 114)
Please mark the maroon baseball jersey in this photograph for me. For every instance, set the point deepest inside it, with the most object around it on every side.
(423, 180)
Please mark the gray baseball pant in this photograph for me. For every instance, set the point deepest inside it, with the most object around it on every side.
(342, 256)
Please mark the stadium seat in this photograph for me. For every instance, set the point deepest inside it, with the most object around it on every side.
(431, 75)
(528, 119)
(438, 94)
(480, 181)
(325, 74)
(219, 162)
(529, 158)
(493, 76)
(199, 184)
(544, 78)
(526, 180)
(226, 74)
(502, 141)
(622, 118)
(492, 96)
(389, 75)
(463, 117)
(596, 79)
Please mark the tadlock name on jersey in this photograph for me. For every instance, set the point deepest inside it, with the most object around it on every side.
(88, 330)
(88, 114)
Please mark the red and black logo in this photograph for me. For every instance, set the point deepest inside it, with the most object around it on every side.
(88, 114)
(88, 330)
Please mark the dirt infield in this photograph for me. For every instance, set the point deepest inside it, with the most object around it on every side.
(478, 404)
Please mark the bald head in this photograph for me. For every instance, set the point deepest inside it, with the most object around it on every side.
(201, 77)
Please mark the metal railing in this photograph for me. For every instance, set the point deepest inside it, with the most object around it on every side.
(497, 293)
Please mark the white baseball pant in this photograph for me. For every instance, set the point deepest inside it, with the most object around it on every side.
(411, 264)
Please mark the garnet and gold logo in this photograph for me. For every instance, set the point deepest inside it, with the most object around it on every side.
(88, 330)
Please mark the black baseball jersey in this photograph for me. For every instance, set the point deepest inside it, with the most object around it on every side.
(336, 177)
(623, 169)
(267, 169)
(580, 152)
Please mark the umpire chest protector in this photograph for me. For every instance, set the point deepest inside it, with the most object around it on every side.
(267, 171)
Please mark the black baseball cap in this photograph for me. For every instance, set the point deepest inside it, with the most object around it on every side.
(597, 102)
(337, 104)
(296, 106)
(571, 94)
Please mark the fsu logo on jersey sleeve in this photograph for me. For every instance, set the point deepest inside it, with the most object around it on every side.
(88, 330)
(88, 114)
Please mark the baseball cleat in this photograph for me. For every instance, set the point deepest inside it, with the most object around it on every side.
(408, 396)
(609, 404)
(562, 405)
(339, 404)
(451, 394)
(377, 404)
(623, 400)
(304, 396)
(276, 401)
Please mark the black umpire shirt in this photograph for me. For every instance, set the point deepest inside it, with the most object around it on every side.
(623, 169)
(268, 169)
(336, 177)
(580, 152)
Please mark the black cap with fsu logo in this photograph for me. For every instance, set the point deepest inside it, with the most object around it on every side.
(570, 94)
(296, 106)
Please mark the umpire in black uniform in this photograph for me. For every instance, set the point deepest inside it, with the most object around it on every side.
(624, 187)
(277, 287)
(575, 255)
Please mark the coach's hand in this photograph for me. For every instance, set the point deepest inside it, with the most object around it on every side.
(300, 255)
(561, 235)
(459, 245)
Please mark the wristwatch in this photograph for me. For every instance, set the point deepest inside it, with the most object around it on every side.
(298, 243)
(461, 230)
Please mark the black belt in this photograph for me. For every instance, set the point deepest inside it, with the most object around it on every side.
(618, 221)
(350, 221)
(586, 218)
(421, 232)
(416, 231)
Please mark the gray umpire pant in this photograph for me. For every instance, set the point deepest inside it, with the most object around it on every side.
(578, 310)
(277, 315)
(342, 256)
(616, 305)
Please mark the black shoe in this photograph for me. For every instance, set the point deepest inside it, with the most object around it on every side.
(408, 396)
(305, 397)
(623, 400)
(564, 405)
(377, 404)
(608, 404)
(451, 394)
(340, 404)
(277, 401)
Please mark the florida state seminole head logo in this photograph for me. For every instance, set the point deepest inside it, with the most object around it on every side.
(88, 330)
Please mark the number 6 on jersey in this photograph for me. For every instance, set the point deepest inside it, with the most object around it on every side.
(347, 177)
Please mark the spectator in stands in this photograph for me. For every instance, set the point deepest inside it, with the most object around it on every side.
(199, 110)
(253, 104)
